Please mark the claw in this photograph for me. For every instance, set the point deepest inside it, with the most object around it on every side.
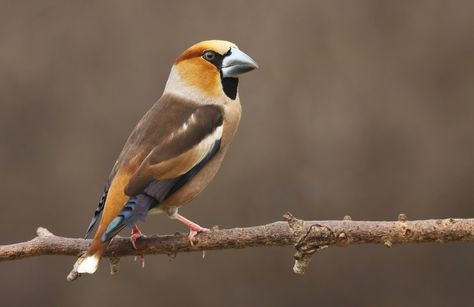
(194, 228)
(194, 231)
(136, 234)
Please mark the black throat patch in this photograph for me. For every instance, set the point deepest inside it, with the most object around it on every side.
(229, 85)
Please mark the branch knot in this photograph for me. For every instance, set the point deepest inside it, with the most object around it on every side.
(316, 237)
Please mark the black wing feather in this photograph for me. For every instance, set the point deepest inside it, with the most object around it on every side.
(97, 212)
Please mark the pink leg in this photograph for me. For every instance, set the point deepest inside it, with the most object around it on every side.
(136, 233)
(194, 228)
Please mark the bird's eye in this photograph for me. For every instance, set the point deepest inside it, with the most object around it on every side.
(209, 56)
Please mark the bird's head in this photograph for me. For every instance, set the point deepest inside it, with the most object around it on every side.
(210, 69)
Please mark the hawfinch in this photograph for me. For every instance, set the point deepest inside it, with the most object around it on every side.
(176, 148)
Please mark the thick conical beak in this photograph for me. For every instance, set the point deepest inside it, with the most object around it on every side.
(236, 63)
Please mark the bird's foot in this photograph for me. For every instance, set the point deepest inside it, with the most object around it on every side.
(136, 234)
(194, 228)
(193, 231)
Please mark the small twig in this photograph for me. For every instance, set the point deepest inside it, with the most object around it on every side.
(306, 236)
(114, 265)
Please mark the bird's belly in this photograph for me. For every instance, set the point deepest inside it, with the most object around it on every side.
(193, 187)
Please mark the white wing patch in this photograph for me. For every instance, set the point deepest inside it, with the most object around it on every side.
(188, 122)
(218, 132)
(183, 127)
(206, 145)
(199, 151)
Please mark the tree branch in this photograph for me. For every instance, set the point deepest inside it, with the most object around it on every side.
(306, 236)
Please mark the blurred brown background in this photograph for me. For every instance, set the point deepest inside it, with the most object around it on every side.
(360, 107)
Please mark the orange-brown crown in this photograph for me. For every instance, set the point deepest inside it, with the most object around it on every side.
(197, 72)
(197, 50)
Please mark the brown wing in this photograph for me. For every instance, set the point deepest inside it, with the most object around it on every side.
(179, 151)
(159, 136)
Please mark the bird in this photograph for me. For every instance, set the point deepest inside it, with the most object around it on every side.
(176, 149)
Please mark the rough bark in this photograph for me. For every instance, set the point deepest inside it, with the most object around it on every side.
(306, 236)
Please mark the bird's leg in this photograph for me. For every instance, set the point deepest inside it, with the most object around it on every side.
(194, 228)
(136, 233)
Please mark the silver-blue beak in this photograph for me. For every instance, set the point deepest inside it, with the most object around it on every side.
(236, 63)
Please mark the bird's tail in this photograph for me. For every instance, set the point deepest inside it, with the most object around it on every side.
(134, 210)
(89, 262)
